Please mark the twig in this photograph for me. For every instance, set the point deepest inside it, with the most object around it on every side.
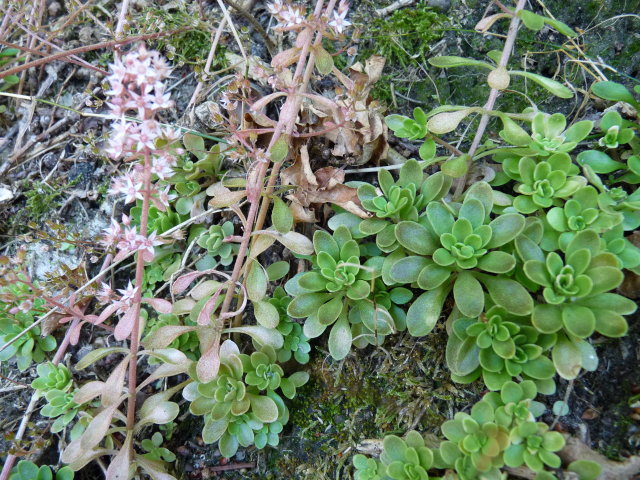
(232, 466)
(398, 4)
(493, 95)
(88, 48)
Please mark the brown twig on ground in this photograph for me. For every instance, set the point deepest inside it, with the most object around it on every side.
(89, 48)
(232, 466)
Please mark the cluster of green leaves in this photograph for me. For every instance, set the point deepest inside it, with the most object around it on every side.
(8, 55)
(242, 406)
(500, 430)
(26, 470)
(55, 384)
(13, 321)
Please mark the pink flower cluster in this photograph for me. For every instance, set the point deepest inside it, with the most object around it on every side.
(294, 18)
(128, 240)
(137, 88)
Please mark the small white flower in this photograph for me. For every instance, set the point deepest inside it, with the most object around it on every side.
(339, 22)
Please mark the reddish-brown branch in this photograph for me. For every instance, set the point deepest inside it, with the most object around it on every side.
(88, 48)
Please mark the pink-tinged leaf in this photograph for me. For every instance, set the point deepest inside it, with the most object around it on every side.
(88, 392)
(183, 281)
(107, 312)
(155, 469)
(163, 336)
(182, 306)
(204, 317)
(125, 325)
(121, 465)
(114, 384)
(262, 335)
(74, 334)
(264, 101)
(285, 58)
(158, 304)
(98, 428)
(209, 364)
(77, 457)
(205, 289)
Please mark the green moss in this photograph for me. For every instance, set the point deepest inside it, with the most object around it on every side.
(405, 35)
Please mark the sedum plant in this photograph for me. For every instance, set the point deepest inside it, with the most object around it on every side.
(324, 295)
(401, 459)
(500, 346)
(29, 347)
(546, 183)
(580, 212)
(213, 241)
(460, 248)
(397, 201)
(577, 299)
(26, 470)
(52, 377)
(242, 400)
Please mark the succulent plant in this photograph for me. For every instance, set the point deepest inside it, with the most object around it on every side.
(545, 183)
(155, 450)
(29, 347)
(616, 200)
(367, 468)
(269, 434)
(580, 212)
(615, 131)
(533, 445)
(407, 459)
(458, 248)
(26, 470)
(475, 441)
(515, 403)
(410, 128)
(159, 221)
(296, 343)
(575, 290)
(61, 406)
(500, 346)
(213, 242)
(324, 294)
(261, 369)
(548, 134)
(234, 405)
(52, 377)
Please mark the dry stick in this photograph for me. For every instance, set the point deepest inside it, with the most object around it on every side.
(80, 62)
(286, 121)
(88, 48)
(493, 96)
(137, 299)
(207, 66)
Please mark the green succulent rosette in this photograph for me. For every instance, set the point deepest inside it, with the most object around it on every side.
(213, 241)
(546, 183)
(549, 136)
(52, 377)
(533, 445)
(61, 406)
(580, 212)
(615, 130)
(499, 346)
(459, 248)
